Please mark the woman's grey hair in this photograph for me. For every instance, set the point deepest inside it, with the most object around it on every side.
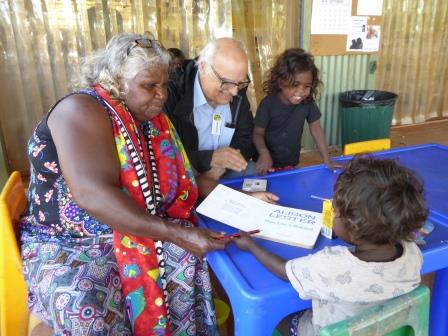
(208, 53)
(110, 66)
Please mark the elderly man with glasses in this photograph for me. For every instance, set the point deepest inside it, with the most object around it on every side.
(210, 110)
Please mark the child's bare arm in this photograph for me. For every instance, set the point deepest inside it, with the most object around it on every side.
(319, 138)
(264, 162)
(272, 262)
(258, 138)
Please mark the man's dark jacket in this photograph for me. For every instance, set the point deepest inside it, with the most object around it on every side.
(179, 107)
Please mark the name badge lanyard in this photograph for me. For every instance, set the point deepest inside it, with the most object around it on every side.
(217, 121)
(216, 124)
(232, 124)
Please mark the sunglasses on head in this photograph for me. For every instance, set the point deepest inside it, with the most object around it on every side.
(142, 43)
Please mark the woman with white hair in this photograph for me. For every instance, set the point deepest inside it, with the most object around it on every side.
(109, 244)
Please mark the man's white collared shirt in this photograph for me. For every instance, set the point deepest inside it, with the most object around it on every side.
(203, 115)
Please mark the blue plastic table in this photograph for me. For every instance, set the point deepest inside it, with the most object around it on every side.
(260, 300)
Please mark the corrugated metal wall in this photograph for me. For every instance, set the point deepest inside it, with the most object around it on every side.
(412, 62)
(338, 74)
(43, 41)
(413, 58)
(3, 164)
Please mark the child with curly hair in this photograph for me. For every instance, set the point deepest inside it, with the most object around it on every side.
(291, 88)
(378, 206)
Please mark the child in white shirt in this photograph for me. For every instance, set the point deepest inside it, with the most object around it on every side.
(378, 206)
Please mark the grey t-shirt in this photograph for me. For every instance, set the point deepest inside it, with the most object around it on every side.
(340, 285)
(283, 124)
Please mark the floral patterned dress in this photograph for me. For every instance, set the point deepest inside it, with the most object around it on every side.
(85, 279)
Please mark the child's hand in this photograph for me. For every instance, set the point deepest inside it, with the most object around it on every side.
(333, 165)
(244, 241)
(264, 164)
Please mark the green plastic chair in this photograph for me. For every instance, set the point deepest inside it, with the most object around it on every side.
(405, 315)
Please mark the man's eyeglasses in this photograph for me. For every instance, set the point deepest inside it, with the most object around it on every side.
(228, 84)
(142, 43)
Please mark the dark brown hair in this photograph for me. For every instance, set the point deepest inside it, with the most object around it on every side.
(287, 65)
(379, 201)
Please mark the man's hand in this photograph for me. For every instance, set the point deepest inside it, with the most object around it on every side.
(214, 173)
(265, 196)
(228, 158)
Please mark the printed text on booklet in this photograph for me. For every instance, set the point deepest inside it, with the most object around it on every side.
(278, 223)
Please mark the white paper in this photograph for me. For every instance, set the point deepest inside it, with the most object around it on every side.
(372, 40)
(363, 37)
(331, 16)
(282, 224)
(357, 33)
(370, 7)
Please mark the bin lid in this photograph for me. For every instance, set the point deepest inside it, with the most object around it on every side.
(356, 98)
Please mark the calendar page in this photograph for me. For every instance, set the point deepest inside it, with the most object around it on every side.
(331, 16)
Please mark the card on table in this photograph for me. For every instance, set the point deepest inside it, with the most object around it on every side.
(251, 184)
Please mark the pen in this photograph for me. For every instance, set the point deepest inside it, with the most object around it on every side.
(320, 198)
(238, 234)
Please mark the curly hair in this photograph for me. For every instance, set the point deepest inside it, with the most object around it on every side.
(379, 201)
(287, 65)
(120, 62)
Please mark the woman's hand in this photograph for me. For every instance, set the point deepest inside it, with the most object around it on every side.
(199, 241)
(265, 196)
(264, 164)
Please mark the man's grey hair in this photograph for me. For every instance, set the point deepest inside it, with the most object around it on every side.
(111, 65)
(208, 53)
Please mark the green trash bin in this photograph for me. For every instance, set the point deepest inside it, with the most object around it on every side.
(366, 115)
